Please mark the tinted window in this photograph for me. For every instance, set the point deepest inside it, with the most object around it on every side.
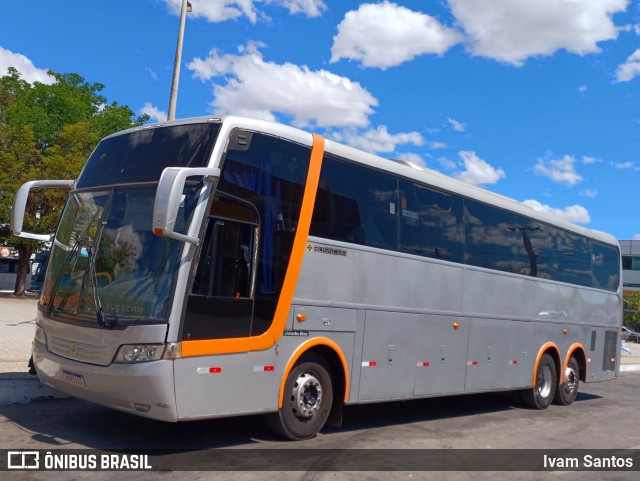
(361, 205)
(504, 241)
(606, 266)
(141, 156)
(355, 204)
(494, 240)
(574, 259)
(431, 223)
(631, 263)
(270, 173)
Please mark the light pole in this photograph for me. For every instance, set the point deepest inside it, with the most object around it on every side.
(186, 7)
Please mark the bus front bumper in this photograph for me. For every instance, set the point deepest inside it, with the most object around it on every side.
(145, 389)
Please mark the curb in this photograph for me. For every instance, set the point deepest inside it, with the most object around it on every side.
(19, 388)
(630, 368)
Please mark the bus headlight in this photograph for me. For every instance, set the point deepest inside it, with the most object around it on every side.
(134, 353)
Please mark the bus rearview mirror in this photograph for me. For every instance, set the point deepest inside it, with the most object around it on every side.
(168, 198)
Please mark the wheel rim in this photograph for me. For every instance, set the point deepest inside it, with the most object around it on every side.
(306, 396)
(544, 382)
(571, 384)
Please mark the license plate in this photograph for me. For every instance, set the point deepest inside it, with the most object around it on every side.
(73, 378)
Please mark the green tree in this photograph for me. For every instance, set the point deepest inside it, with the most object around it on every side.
(47, 131)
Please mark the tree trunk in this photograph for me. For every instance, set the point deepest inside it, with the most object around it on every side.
(25, 251)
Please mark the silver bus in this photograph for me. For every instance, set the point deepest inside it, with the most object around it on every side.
(218, 267)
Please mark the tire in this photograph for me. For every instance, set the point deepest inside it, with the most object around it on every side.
(308, 397)
(543, 391)
(567, 392)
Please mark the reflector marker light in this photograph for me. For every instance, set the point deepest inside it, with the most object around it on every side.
(209, 370)
(422, 364)
(368, 364)
(472, 363)
(263, 368)
(515, 361)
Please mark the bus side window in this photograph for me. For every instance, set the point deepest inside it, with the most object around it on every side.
(356, 204)
(431, 223)
(605, 266)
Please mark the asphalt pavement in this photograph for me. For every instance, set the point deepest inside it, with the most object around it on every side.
(17, 326)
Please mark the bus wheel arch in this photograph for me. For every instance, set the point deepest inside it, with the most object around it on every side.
(573, 372)
(578, 353)
(310, 395)
(545, 379)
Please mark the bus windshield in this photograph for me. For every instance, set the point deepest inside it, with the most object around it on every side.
(141, 155)
(106, 266)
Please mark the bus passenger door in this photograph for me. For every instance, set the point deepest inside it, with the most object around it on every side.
(220, 304)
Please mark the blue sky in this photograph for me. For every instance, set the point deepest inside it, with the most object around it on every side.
(537, 100)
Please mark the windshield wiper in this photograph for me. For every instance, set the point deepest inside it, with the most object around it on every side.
(102, 322)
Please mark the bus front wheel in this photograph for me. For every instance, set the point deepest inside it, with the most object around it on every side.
(543, 392)
(308, 396)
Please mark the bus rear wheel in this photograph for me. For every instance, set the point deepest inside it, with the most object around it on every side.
(308, 396)
(543, 392)
(568, 391)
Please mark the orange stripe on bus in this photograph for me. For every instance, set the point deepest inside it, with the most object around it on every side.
(271, 336)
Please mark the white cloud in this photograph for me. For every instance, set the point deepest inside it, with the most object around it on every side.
(260, 89)
(590, 193)
(447, 164)
(217, 10)
(221, 10)
(310, 8)
(559, 170)
(513, 30)
(625, 166)
(153, 112)
(152, 73)
(630, 69)
(477, 171)
(385, 35)
(28, 71)
(455, 125)
(376, 140)
(573, 213)
(588, 159)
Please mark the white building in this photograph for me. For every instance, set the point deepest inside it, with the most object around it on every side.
(630, 250)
